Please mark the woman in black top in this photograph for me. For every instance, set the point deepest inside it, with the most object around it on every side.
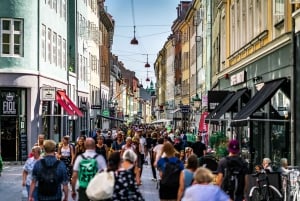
(101, 148)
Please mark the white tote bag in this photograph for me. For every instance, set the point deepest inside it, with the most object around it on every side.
(101, 186)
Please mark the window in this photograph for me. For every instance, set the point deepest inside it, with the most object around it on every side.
(43, 42)
(50, 3)
(244, 30)
(11, 37)
(55, 5)
(64, 48)
(250, 17)
(64, 7)
(278, 10)
(233, 29)
(81, 68)
(54, 48)
(59, 51)
(50, 45)
(60, 8)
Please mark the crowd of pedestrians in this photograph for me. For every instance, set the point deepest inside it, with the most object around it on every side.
(174, 163)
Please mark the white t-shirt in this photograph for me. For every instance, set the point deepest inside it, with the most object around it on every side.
(143, 144)
(90, 153)
(157, 149)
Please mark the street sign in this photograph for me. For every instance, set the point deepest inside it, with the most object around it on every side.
(105, 113)
(96, 107)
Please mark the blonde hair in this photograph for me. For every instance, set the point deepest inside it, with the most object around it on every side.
(168, 149)
(203, 175)
(49, 146)
(36, 149)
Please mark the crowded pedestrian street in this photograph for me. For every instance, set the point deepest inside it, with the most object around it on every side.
(11, 183)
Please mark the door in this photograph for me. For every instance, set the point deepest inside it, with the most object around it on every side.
(8, 138)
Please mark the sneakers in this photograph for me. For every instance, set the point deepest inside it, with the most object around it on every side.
(154, 179)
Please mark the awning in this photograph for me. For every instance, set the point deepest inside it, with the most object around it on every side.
(65, 102)
(258, 100)
(229, 103)
(174, 111)
(161, 121)
(110, 118)
(211, 115)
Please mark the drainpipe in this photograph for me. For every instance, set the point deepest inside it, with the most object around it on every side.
(38, 69)
(77, 127)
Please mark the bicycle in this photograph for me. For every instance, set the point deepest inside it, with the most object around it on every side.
(263, 190)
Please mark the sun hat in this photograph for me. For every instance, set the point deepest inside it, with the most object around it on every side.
(234, 147)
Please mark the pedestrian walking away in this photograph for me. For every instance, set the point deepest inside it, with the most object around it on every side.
(203, 189)
(85, 167)
(51, 176)
(231, 173)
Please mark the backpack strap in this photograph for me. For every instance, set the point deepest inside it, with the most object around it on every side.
(43, 162)
(82, 156)
(94, 157)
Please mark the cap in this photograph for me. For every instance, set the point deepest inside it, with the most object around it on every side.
(234, 147)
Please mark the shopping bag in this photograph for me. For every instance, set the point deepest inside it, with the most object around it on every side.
(101, 186)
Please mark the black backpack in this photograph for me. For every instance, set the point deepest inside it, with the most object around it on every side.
(48, 182)
(233, 181)
(170, 177)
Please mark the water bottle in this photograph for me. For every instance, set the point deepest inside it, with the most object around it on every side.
(24, 194)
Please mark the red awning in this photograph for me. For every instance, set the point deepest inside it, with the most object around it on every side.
(68, 105)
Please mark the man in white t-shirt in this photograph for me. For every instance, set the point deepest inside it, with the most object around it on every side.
(89, 153)
(157, 150)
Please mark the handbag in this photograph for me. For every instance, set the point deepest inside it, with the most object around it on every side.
(101, 186)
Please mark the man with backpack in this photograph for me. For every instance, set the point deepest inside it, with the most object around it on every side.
(85, 167)
(232, 171)
(169, 168)
(50, 174)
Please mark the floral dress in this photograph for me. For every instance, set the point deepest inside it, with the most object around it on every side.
(66, 158)
(126, 188)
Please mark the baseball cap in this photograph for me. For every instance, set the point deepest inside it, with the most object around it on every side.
(234, 147)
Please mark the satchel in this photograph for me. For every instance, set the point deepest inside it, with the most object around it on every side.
(101, 186)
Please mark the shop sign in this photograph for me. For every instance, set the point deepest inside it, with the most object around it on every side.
(238, 78)
(9, 103)
(105, 113)
(48, 93)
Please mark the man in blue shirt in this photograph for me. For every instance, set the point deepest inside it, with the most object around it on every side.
(61, 176)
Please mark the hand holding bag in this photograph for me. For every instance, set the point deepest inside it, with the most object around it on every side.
(101, 186)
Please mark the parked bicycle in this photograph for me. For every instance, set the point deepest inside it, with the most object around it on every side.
(290, 185)
(263, 190)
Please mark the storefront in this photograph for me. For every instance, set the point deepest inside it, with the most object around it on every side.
(256, 108)
(13, 123)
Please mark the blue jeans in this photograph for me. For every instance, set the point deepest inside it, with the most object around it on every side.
(35, 192)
